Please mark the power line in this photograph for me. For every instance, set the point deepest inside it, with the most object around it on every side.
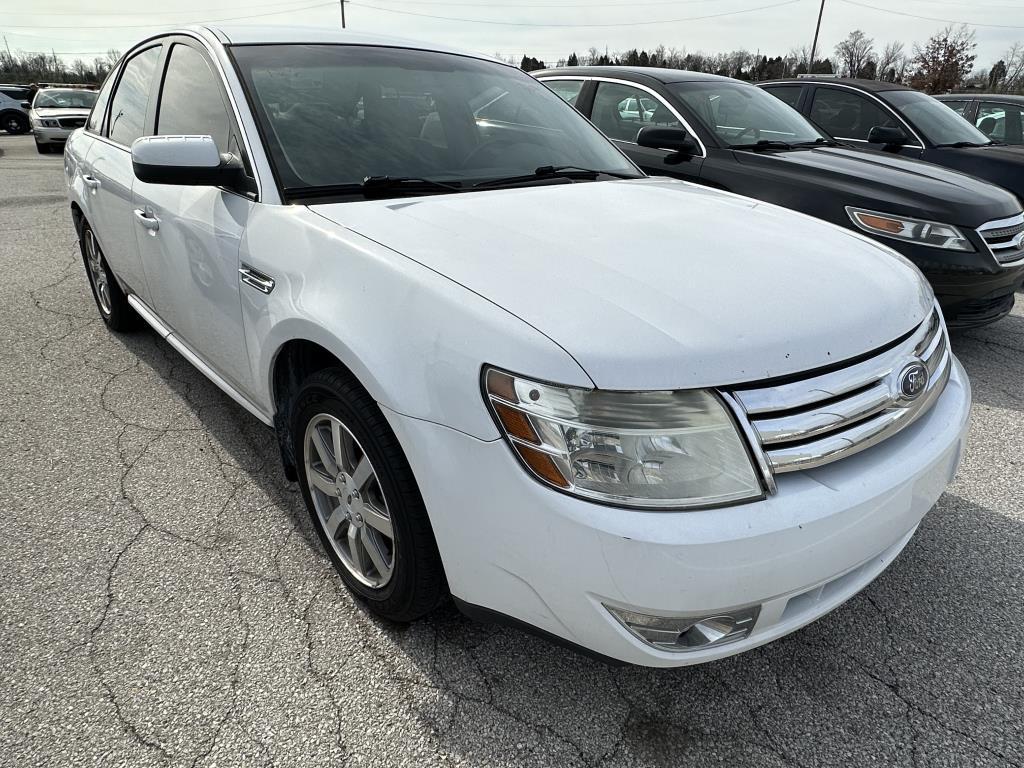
(166, 23)
(573, 26)
(930, 18)
(547, 5)
(191, 11)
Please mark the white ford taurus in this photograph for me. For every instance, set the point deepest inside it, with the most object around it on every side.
(655, 421)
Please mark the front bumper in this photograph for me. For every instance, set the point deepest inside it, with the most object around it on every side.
(551, 561)
(51, 135)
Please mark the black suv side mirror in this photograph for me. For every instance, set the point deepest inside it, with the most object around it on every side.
(674, 139)
(26, 105)
(890, 136)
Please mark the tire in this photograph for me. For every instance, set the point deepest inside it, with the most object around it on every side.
(352, 526)
(44, 149)
(14, 123)
(111, 301)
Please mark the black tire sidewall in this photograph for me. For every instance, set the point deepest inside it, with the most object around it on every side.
(349, 403)
(122, 317)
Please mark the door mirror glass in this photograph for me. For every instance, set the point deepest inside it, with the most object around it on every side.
(185, 161)
(675, 139)
(886, 134)
(26, 105)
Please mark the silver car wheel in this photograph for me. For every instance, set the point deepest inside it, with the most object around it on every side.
(97, 274)
(349, 501)
(12, 124)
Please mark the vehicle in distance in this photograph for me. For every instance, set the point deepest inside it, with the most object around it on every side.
(887, 117)
(1000, 116)
(13, 116)
(55, 113)
(410, 262)
(963, 233)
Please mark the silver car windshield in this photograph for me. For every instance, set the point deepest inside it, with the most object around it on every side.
(742, 115)
(334, 115)
(65, 98)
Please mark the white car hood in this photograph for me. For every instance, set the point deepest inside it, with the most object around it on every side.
(659, 284)
(61, 112)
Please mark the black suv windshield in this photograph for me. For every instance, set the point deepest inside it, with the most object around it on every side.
(939, 124)
(65, 98)
(334, 115)
(742, 115)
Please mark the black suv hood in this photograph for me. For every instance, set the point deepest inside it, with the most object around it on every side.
(890, 183)
(999, 164)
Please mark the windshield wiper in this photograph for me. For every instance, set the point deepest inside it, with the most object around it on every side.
(373, 185)
(555, 172)
(819, 143)
(962, 144)
(764, 145)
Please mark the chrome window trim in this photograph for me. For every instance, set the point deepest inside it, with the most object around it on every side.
(888, 108)
(650, 91)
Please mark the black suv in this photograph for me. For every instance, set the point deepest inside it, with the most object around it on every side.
(887, 117)
(963, 233)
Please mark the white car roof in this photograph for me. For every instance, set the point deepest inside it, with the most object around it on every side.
(248, 34)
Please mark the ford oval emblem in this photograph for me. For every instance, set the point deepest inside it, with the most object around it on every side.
(912, 380)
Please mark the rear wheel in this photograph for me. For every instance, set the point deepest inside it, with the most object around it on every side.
(363, 498)
(111, 301)
(14, 123)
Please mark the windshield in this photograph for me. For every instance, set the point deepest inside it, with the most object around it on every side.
(337, 114)
(743, 115)
(65, 99)
(939, 124)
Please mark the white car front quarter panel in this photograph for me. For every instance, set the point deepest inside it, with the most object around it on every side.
(415, 339)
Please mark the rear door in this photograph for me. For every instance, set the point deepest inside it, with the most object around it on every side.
(108, 174)
(189, 236)
(621, 109)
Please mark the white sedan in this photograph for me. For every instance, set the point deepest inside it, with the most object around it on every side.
(663, 450)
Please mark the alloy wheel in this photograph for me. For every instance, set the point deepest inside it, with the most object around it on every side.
(349, 501)
(12, 125)
(97, 272)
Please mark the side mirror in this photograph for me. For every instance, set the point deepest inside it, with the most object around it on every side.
(888, 135)
(675, 139)
(185, 161)
(26, 105)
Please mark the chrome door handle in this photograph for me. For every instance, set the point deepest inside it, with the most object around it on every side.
(151, 223)
(91, 181)
(256, 279)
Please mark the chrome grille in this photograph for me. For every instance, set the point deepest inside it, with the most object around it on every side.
(1005, 238)
(820, 419)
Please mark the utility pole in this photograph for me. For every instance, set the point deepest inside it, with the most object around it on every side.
(343, 13)
(814, 45)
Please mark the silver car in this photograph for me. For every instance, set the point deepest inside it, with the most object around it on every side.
(55, 113)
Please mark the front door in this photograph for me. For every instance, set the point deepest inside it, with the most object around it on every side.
(620, 110)
(849, 115)
(189, 236)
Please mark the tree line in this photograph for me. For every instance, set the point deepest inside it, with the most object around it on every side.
(45, 68)
(945, 62)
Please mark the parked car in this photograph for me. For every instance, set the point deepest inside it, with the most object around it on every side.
(55, 113)
(664, 449)
(1000, 116)
(887, 117)
(13, 116)
(963, 233)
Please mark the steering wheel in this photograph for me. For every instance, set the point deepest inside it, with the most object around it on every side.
(756, 131)
(490, 145)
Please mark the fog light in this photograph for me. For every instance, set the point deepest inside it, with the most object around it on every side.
(688, 633)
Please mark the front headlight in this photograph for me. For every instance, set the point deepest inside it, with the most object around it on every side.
(654, 450)
(930, 233)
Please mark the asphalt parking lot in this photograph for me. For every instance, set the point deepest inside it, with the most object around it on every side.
(164, 600)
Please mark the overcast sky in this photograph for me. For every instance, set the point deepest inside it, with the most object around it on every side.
(516, 28)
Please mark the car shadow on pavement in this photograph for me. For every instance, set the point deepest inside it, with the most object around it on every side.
(994, 359)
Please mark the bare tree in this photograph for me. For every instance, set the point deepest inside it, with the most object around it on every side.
(855, 53)
(1013, 64)
(892, 63)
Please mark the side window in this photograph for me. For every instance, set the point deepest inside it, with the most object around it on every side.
(620, 111)
(956, 106)
(787, 93)
(569, 90)
(128, 106)
(1001, 122)
(190, 101)
(848, 115)
(95, 121)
